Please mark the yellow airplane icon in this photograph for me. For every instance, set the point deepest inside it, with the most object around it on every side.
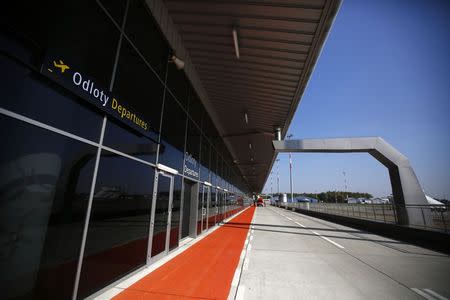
(61, 65)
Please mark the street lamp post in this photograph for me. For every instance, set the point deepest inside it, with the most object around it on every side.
(271, 183)
(290, 170)
(278, 176)
(345, 186)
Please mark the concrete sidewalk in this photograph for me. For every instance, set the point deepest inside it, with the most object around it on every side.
(293, 256)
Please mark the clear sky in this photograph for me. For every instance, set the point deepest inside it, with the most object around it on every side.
(384, 71)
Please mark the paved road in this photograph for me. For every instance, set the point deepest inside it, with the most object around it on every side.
(293, 256)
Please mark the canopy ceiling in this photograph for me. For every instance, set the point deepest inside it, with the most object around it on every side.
(279, 42)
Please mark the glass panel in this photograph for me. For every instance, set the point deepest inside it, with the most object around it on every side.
(188, 192)
(220, 216)
(191, 165)
(196, 110)
(24, 31)
(45, 180)
(143, 32)
(204, 160)
(85, 38)
(212, 209)
(173, 134)
(118, 229)
(201, 210)
(161, 215)
(144, 93)
(116, 9)
(178, 84)
(175, 219)
(206, 202)
(119, 137)
(29, 93)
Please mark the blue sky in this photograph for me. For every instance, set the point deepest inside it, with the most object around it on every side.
(384, 71)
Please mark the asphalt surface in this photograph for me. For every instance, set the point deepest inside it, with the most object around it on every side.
(293, 256)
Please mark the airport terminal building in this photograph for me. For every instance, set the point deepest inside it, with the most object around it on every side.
(128, 126)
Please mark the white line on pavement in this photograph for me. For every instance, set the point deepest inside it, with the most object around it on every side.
(328, 240)
(245, 267)
(300, 224)
(325, 238)
(240, 292)
(334, 243)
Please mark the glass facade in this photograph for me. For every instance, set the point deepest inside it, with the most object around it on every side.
(78, 182)
(117, 237)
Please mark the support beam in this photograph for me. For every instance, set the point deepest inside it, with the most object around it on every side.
(255, 132)
(406, 188)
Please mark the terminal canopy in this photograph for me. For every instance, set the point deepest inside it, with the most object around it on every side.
(249, 61)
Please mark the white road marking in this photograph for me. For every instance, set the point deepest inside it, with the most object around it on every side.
(236, 278)
(245, 267)
(440, 297)
(325, 238)
(289, 218)
(300, 224)
(423, 294)
(240, 292)
(328, 240)
(333, 242)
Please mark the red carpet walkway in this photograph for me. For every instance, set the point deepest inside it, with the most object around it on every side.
(203, 271)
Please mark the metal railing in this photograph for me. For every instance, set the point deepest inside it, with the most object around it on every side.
(434, 217)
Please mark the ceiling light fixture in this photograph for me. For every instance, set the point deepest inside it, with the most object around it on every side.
(246, 118)
(250, 146)
(236, 44)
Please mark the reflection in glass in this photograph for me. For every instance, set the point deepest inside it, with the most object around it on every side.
(191, 167)
(173, 134)
(117, 237)
(201, 210)
(187, 201)
(220, 215)
(212, 210)
(45, 180)
(126, 140)
(204, 159)
(175, 218)
(161, 215)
